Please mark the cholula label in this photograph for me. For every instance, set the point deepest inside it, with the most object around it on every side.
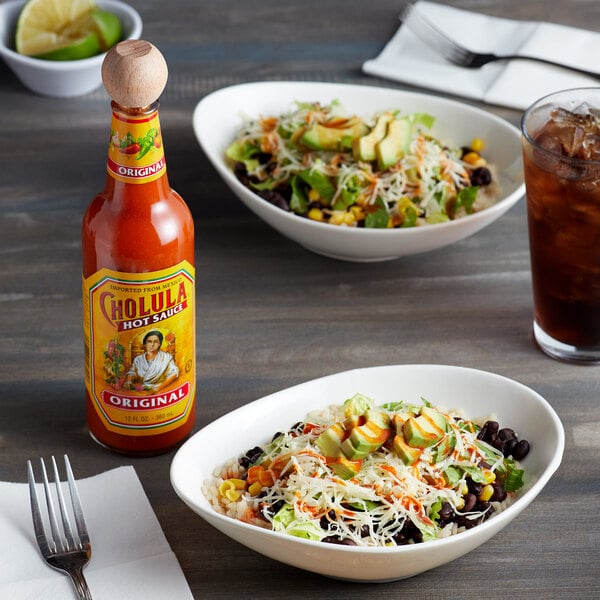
(140, 348)
(135, 149)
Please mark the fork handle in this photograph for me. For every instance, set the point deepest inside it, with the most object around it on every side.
(80, 584)
(486, 58)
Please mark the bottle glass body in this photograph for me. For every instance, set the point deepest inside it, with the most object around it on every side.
(138, 296)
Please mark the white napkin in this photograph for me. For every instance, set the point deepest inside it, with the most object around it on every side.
(516, 83)
(131, 557)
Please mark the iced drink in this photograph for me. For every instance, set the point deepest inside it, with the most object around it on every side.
(561, 156)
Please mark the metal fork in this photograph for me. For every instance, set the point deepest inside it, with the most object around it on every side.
(62, 550)
(457, 54)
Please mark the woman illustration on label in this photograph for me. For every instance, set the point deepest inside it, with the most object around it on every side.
(154, 369)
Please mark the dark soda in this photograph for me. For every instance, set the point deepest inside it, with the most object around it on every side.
(561, 159)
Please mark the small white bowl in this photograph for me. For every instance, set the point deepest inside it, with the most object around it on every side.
(218, 118)
(60, 79)
(479, 393)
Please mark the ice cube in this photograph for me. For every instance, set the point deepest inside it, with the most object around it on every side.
(591, 146)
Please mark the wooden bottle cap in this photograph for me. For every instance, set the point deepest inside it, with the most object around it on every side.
(134, 73)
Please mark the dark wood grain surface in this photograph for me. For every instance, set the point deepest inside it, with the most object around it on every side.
(271, 314)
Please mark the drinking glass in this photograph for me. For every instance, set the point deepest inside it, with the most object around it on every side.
(561, 159)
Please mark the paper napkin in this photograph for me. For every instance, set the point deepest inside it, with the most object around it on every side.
(131, 557)
(516, 83)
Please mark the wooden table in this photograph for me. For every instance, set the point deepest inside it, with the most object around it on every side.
(271, 314)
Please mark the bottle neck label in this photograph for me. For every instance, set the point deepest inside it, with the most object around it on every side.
(139, 336)
(135, 149)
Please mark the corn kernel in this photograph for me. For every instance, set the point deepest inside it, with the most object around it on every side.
(477, 144)
(471, 158)
(460, 503)
(464, 489)
(313, 195)
(486, 493)
(358, 212)
(349, 218)
(489, 476)
(337, 218)
(316, 214)
(475, 160)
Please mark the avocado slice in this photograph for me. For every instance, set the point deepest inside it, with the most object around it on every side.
(329, 442)
(355, 447)
(335, 135)
(395, 143)
(397, 422)
(363, 148)
(445, 448)
(345, 468)
(435, 416)
(352, 421)
(408, 455)
(367, 438)
(421, 432)
(378, 417)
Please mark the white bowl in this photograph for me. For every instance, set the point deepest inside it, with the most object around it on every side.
(479, 393)
(218, 118)
(60, 79)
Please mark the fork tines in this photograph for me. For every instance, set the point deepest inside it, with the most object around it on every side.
(435, 38)
(59, 540)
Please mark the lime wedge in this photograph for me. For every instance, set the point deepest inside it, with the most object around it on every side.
(82, 48)
(108, 27)
(65, 29)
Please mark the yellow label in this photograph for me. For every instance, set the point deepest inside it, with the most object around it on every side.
(135, 150)
(139, 338)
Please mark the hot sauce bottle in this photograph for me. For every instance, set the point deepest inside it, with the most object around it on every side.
(138, 274)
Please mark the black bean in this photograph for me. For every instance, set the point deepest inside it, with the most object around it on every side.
(521, 450)
(481, 176)
(509, 446)
(275, 197)
(263, 157)
(251, 456)
(446, 512)
(485, 507)
(364, 531)
(466, 522)
(489, 429)
(470, 501)
(325, 520)
(336, 539)
(410, 532)
(400, 539)
(270, 510)
(507, 434)
(474, 487)
(240, 172)
(499, 494)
